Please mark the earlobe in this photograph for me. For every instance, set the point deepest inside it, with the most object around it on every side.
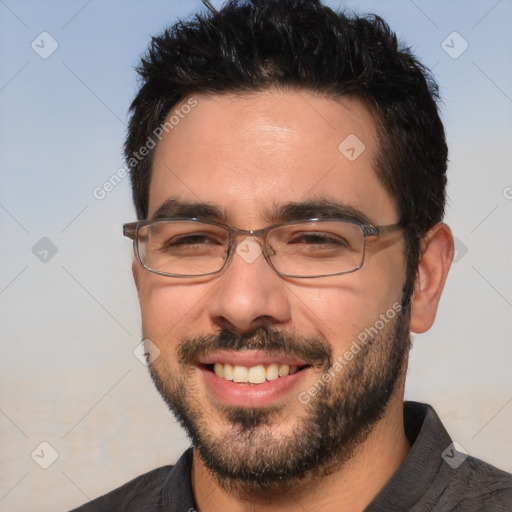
(435, 261)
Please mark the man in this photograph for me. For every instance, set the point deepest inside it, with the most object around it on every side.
(288, 168)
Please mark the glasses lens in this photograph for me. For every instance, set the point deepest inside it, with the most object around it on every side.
(311, 249)
(185, 248)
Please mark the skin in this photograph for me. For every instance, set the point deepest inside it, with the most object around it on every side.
(247, 154)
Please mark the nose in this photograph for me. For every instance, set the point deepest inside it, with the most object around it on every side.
(249, 293)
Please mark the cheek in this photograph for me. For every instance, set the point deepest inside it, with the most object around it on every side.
(170, 310)
(340, 313)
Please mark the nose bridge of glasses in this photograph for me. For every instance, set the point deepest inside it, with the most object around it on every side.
(238, 236)
(248, 232)
(258, 234)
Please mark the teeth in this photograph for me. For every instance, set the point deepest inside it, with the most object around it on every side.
(273, 372)
(284, 370)
(218, 369)
(240, 374)
(255, 374)
(228, 371)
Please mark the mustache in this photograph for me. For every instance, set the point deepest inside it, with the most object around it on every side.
(314, 350)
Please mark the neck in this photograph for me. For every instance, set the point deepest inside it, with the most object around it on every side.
(355, 484)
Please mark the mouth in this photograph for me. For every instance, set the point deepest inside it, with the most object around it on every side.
(257, 374)
(251, 378)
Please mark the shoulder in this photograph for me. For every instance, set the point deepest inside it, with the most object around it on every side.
(141, 493)
(485, 488)
(164, 489)
(435, 475)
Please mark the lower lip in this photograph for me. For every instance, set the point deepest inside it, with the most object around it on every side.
(251, 395)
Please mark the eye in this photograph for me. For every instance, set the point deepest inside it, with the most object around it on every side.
(193, 239)
(318, 238)
(194, 243)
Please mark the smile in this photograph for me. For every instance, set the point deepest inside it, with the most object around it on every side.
(252, 378)
(257, 374)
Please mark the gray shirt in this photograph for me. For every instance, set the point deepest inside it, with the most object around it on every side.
(433, 477)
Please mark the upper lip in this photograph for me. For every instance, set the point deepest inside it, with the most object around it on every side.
(250, 358)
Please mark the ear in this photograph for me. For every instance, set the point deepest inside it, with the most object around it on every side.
(437, 252)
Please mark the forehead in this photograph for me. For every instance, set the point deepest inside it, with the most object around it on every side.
(248, 154)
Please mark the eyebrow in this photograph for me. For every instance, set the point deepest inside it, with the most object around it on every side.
(319, 208)
(176, 208)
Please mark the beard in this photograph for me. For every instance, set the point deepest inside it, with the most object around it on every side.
(251, 457)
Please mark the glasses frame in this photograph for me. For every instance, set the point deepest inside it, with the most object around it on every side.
(131, 230)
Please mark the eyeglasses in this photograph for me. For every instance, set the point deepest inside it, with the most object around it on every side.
(178, 247)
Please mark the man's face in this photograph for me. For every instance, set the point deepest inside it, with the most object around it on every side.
(251, 157)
